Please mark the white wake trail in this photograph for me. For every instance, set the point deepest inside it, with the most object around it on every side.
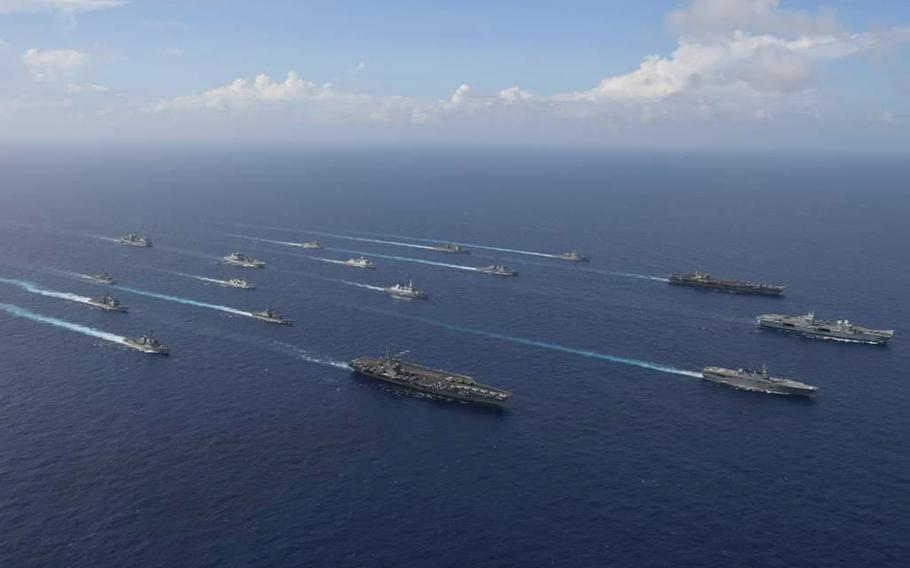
(84, 330)
(35, 289)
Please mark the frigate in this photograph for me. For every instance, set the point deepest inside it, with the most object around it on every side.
(498, 270)
(756, 380)
(237, 258)
(700, 279)
(450, 248)
(147, 344)
(272, 316)
(841, 330)
(435, 382)
(574, 256)
(359, 262)
(405, 291)
(307, 245)
(108, 303)
(134, 240)
(103, 278)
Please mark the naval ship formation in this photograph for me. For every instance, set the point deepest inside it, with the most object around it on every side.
(808, 325)
(699, 279)
(436, 382)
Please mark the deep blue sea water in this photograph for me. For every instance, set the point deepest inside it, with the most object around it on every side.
(251, 445)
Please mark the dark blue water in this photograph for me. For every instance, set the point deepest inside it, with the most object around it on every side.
(252, 445)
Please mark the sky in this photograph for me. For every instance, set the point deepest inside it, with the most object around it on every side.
(688, 74)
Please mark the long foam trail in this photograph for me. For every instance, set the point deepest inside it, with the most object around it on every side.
(313, 357)
(35, 289)
(84, 330)
(186, 301)
(329, 260)
(203, 278)
(361, 285)
(376, 241)
(409, 259)
(633, 275)
(560, 348)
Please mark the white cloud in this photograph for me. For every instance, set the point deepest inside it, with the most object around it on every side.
(754, 16)
(65, 6)
(76, 89)
(50, 64)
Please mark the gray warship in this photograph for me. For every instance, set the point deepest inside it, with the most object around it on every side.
(147, 344)
(435, 382)
(843, 330)
(134, 240)
(757, 381)
(700, 279)
(574, 256)
(272, 316)
(405, 291)
(108, 303)
(103, 278)
(498, 270)
(449, 248)
(237, 258)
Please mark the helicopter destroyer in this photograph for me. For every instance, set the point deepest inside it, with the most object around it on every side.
(103, 278)
(405, 291)
(574, 256)
(147, 344)
(843, 330)
(498, 270)
(237, 258)
(134, 240)
(436, 382)
(108, 303)
(756, 380)
(700, 279)
(359, 262)
(238, 283)
(272, 316)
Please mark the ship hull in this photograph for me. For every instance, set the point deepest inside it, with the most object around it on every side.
(274, 321)
(729, 287)
(366, 368)
(756, 385)
(107, 308)
(146, 350)
(833, 335)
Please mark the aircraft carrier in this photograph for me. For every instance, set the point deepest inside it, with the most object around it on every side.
(435, 382)
(808, 325)
(699, 279)
(757, 381)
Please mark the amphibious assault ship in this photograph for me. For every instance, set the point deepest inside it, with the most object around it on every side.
(134, 240)
(237, 258)
(449, 247)
(359, 262)
(238, 283)
(756, 380)
(405, 291)
(498, 270)
(574, 256)
(435, 382)
(107, 302)
(103, 278)
(271, 316)
(147, 344)
(843, 330)
(699, 279)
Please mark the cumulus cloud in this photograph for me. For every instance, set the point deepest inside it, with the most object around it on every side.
(703, 17)
(64, 6)
(50, 64)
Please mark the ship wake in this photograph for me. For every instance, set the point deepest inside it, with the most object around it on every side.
(361, 285)
(409, 259)
(186, 301)
(63, 324)
(204, 279)
(35, 289)
(311, 357)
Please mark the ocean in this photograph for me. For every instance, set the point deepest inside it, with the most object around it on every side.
(254, 445)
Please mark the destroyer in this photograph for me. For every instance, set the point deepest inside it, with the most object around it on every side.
(406, 291)
(307, 245)
(359, 262)
(498, 270)
(843, 330)
(238, 283)
(146, 344)
(107, 302)
(450, 248)
(574, 256)
(758, 381)
(134, 240)
(103, 278)
(271, 316)
(699, 279)
(239, 259)
(435, 382)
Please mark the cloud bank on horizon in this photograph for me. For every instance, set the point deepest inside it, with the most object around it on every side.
(742, 72)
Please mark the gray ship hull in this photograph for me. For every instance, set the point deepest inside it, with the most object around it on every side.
(825, 331)
(757, 384)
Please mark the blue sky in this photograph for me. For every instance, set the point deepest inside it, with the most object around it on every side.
(694, 73)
